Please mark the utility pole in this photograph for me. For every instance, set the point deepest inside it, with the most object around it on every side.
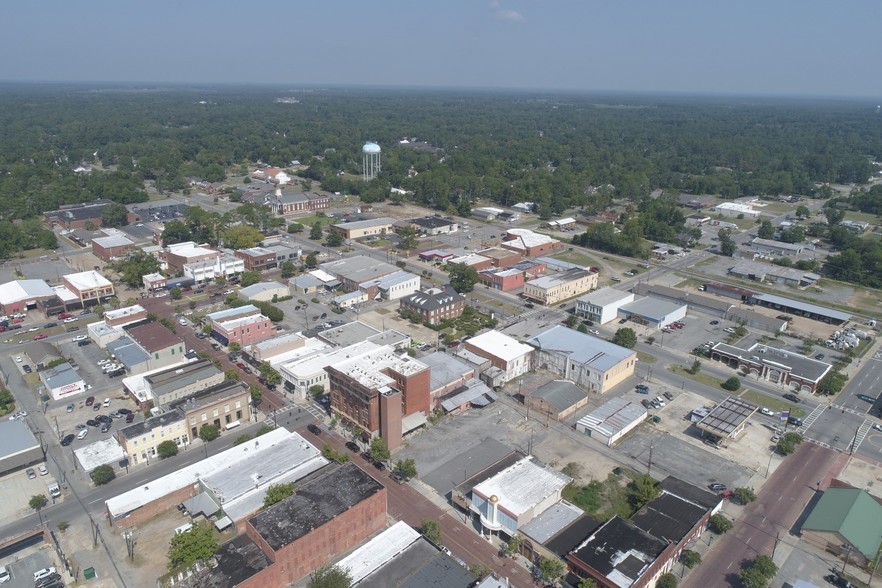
(649, 465)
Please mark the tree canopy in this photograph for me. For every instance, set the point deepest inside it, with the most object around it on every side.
(187, 548)
(462, 277)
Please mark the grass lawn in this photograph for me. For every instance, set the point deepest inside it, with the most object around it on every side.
(379, 243)
(576, 257)
(308, 221)
(689, 283)
(771, 403)
(777, 206)
(700, 377)
(707, 261)
(646, 358)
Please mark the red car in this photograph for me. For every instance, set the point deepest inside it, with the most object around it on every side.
(18, 320)
(90, 401)
(64, 315)
(40, 336)
(240, 365)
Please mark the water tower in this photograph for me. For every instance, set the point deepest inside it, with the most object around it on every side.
(371, 152)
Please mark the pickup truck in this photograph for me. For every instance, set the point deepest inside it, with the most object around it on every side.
(54, 490)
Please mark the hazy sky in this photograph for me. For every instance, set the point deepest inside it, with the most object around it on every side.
(793, 47)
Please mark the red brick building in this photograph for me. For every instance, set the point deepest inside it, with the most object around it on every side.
(244, 325)
(257, 258)
(502, 280)
(378, 391)
(327, 516)
(113, 246)
(530, 244)
(435, 305)
(77, 216)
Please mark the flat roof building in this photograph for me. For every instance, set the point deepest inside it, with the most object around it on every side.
(612, 421)
(19, 447)
(365, 228)
(257, 258)
(178, 381)
(653, 312)
(799, 372)
(776, 247)
(302, 373)
(799, 308)
(264, 291)
(353, 271)
(178, 255)
(555, 288)
(140, 440)
(530, 244)
(21, 295)
(695, 302)
(728, 419)
(602, 306)
(62, 381)
(507, 355)
(89, 286)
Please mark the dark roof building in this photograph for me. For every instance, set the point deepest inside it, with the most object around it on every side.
(75, 216)
(558, 399)
(237, 560)
(434, 225)
(435, 305)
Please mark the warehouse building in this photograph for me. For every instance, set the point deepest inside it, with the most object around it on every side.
(602, 306)
(612, 421)
(557, 399)
(653, 312)
(799, 308)
(695, 302)
(18, 446)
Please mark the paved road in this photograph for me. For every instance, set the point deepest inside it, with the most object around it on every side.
(767, 521)
(407, 504)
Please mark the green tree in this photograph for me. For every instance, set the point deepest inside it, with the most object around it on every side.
(167, 449)
(334, 238)
(832, 383)
(288, 269)
(407, 239)
(667, 580)
(587, 583)
(788, 443)
(249, 278)
(733, 384)
(745, 495)
(277, 493)
(513, 547)
(295, 228)
(234, 347)
(103, 474)
(552, 569)
(765, 230)
(317, 390)
(311, 260)
(379, 449)
(431, 530)
(727, 244)
(752, 578)
(197, 544)
(135, 266)
(479, 569)
(765, 566)
(209, 432)
(232, 374)
(114, 215)
(719, 524)
(803, 211)
(175, 293)
(690, 558)
(696, 367)
(38, 502)
(242, 237)
(642, 489)
(315, 232)
(625, 337)
(462, 277)
(328, 576)
(406, 468)
(175, 231)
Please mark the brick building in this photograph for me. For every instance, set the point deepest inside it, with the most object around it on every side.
(180, 254)
(503, 280)
(112, 246)
(244, 325)
(128, 315)
(225, 405)
(384, 393)
(89, 286)
(329, 514)
(257, 258)
(435, 305)
(530, 244)
(77, 216)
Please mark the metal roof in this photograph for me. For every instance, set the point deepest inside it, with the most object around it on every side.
(802, 306)
(500, 345)
(852, 513)
(560, 394)
(605, 296)
(612, 417)
(523, 485)
(581, 348)
(727, 416)
(654, 309)
(15, 438)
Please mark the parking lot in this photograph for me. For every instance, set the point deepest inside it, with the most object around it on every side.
(17, 489)
(23, 564)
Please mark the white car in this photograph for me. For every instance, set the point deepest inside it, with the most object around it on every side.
(729, 330)
(877, 427)
(32, 329)
(18, 359)
(594, 331)
(767, 412)
(228, 292)
(182, 322)
(72, 319)
(80, 338)
(42, 469)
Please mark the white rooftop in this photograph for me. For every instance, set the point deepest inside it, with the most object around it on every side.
(310, 347)
(88, 280)
(605, 296)
(235, 323)
(113, 241)
(366, 370)
(134, 499)
(17, 290)
(500, 345)
(123, 312)
(153, 277)
(378, 551)
(64, 294)
(137, 384)
(104, 452)
(523, 485)
(322, 275)
(190, 249)
(526, 238)
(306, 366)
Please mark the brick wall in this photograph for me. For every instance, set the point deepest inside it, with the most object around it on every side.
(155, 508)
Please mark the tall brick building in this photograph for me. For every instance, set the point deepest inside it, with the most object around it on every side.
(384, 393)
(435, 305)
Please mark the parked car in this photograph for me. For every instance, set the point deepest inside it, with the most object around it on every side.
(68, 439)
(72, 319)
(42, 469)
(103, 418)
(792, 398)
(123, 411)
(646, 404)
(130, 418)
(717, 487)
(776, 437)
(314, 429)
(50, 325)
(668, 395)
(105, 427)
(31, 473)
(352, 446)
(27, 369)
(715, 322)
(795, 421)
(40, 337)
(767, 412)
(93, 423)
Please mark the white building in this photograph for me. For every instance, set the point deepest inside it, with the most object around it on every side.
(393, 286)
(516, 495)
(602, 306)
(209, 269)
(264, 291)
(509, 357)
(302, 373)
(734, 209)
(62, 381)
(612, 421)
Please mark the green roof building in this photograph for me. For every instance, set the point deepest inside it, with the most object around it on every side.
(843, 517)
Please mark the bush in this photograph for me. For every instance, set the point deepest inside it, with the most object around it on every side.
(690, 558)
(719, 524)
(167, 449)
(733, 384)
(103, 474)
(745, 495)
(788, 443)
(667, 580)
(209, 432)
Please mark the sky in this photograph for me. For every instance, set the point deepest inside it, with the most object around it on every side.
(743, 47)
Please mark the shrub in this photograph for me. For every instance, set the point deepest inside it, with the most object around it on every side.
(167, 449)
(719, 524)
(732, 384)
(103, 474)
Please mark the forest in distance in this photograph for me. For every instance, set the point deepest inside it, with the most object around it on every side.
(560, 151)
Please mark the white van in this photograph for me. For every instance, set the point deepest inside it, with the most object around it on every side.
(183, 528)
(82, 434)
(4, 575)
(43, 573)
